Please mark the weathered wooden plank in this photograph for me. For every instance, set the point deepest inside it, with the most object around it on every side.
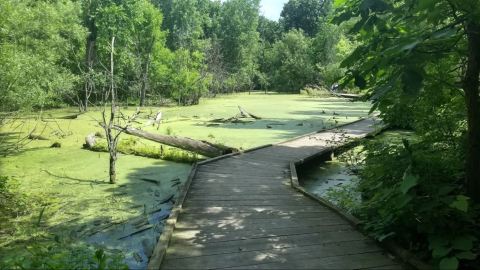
(347, 261)
(254, 224)
(240, 173)
(292, 201)
(185, 249)
(243, 161)
(204, 236)
(239, 259)
(240, 184)
(271, 190)
(208, 190)
(242, 217)
(253, 215)
(224, 183)
(204, 197)
(273, 158)
(253, 209)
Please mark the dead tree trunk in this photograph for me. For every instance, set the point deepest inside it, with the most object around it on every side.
(471, 87)
(200, 147)
(112, 169)
(112, 138)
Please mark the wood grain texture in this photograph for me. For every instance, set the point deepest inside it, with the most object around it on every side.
(241, 212)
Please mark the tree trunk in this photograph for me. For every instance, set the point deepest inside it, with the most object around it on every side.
(200, 147)
(145, 83)
(89, 64)
(113, 171)
(89, 57)
(112, 139)
(470, 86)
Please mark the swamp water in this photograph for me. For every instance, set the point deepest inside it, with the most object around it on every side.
(328, 179)
(335, 179)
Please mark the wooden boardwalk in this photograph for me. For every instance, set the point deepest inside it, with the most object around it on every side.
(241, 212)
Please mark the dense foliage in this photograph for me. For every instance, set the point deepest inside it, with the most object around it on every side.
(56, 53)
(419, 63)
(61, 256)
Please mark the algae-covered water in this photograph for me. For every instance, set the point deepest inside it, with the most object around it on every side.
(323, 178)
(336, 180)
(80, 205)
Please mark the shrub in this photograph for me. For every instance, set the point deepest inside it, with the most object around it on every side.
(315, 91)
(59, 256)
(413, 193)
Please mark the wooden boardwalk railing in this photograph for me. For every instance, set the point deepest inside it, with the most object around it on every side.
(240, 212)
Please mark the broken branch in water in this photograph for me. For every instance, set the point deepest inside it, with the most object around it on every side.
(236, 119)
(246, 114)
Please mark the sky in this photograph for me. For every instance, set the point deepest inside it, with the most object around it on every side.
(272, 8)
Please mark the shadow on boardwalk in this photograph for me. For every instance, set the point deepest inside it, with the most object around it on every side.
(241, 213)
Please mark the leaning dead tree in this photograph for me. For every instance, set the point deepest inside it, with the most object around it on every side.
(201, 147)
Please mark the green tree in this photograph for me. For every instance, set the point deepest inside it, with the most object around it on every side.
(290, 64)
(187, 80)
(305, 14)
(239, 40)
(270, 31)
(139, 39)
(410, 47)
(149, 42)
(330, 46)
(40, 43)
(184, 22)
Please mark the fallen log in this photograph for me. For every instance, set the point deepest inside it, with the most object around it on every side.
(33, 137)
(201, 147)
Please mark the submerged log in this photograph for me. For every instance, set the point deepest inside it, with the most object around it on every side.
(201, 147)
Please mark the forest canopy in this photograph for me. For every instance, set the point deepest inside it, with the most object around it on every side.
(56, 53)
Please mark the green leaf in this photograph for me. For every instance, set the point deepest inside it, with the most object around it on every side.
(345, 16)
(339, 3)
(466, 255)
(426, 4)
(412, 80)
(374, 107)
(450, 263)
(356, 55)
(409, 181)
(374, 5)
(460, 203)
(360, 82)
(440, 252)
(464, 242)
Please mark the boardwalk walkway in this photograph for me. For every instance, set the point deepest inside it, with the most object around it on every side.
(241, 213)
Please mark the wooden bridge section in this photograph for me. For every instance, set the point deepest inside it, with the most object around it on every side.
(241, 212)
